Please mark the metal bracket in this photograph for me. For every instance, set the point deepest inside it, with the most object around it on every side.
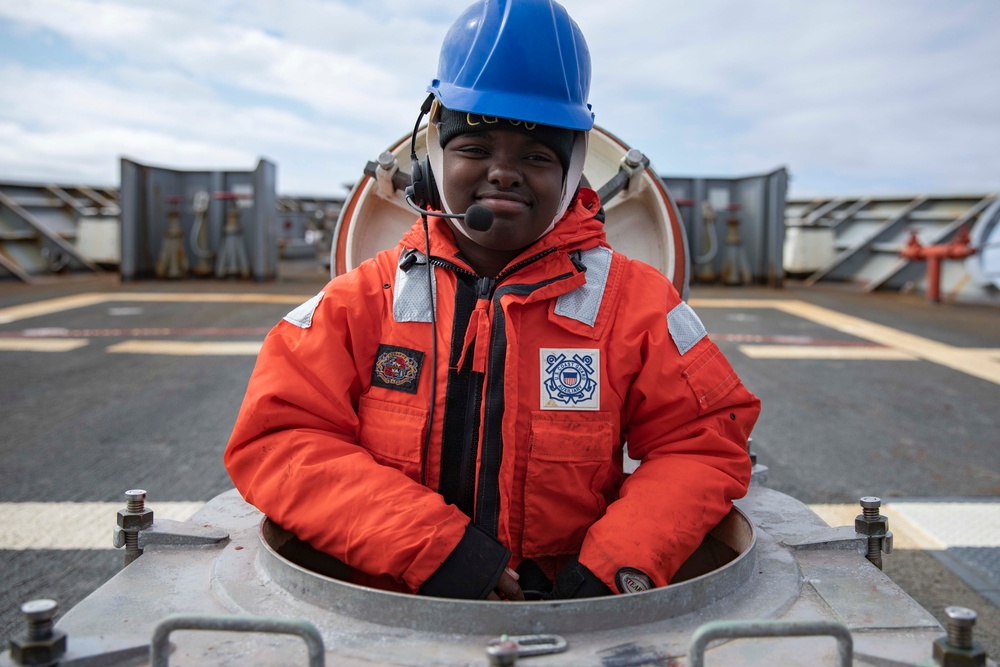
(630, 167)
(159, 650)
(384, 173)
(182, 533)
(709, 632)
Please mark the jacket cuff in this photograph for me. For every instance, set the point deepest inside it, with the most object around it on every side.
(576, 581)
(471, 571)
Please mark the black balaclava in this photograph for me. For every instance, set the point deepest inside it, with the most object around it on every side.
(455, 123)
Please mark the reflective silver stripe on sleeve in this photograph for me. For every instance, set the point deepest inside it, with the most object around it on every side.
(411, 302)
(583, 303)
(302, 316)
(685, 327)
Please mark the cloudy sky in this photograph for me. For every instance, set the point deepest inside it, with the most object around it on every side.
(853, 97)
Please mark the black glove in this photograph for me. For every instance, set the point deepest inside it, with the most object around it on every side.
(472, 570)
(575, 581)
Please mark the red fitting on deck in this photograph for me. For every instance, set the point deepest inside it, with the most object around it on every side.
(957, 248)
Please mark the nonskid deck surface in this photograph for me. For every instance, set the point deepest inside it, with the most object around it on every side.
(110, 386)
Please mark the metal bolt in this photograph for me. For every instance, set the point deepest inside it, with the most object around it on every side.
(870, 511)
(41, 645)
(133, 519)
(39, 614)
(634, 157)
(960, 623)
(386, 159)
(870, 506)
(135, 500)
(503, 653)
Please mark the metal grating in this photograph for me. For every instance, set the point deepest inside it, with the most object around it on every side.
(38, 225)
(869, 233)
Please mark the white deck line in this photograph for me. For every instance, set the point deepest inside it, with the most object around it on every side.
(50, 306)
(187, 348)
(41, 344)
(824, 352)
(72, 526)
(915, 524)
(977, 362)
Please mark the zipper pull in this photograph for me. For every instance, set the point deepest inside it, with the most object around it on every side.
(484, 288)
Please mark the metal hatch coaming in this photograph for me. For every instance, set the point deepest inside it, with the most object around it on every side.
(425, 614)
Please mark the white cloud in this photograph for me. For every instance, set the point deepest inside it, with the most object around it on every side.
(852, 96)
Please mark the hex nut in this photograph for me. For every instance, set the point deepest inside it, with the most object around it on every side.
(947, 655)
(133, 521)
(871, 527)
(38, 652)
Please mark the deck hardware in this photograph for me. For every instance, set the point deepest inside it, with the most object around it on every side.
(505, 650)
(232, 258)
(173, 260)
(630, 167)
(875, 527)
(957, 248)
(709, 632)
(957, 649)
(159, 649)
(42, 645)
(134, 518)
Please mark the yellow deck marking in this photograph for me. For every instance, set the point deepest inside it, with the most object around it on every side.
(824, 352)
(976, 362)
(905, 534)
(186, 347)
(40, 308)
(41, 344)
(928, 525)
(73, 525)
(89, 525)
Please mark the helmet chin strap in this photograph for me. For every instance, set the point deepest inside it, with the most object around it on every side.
(573, 173)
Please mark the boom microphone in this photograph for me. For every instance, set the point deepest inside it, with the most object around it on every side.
(478, 218)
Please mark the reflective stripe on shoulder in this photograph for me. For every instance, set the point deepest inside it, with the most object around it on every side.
(583, 303)
(685, 327)
(302, 315)
(411, 302)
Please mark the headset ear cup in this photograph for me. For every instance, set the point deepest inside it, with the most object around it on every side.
(425, 193)
(433, 198)
(417, 189)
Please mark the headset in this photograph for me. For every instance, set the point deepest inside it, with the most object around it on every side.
(421, 195)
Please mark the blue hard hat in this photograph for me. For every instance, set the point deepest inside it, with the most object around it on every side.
(519, 59)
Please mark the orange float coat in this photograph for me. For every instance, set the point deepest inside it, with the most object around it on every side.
(542, 377)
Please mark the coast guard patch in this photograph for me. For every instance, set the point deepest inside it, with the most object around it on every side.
(570, 379)
(397, 368)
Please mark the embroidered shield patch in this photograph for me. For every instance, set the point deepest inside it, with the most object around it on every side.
(397, 368)
(570, 379)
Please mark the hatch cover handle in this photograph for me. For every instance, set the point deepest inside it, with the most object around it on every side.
(159, 650)
(505, 650)
(769, 628)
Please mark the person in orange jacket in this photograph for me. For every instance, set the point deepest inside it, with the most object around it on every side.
(450, 418)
